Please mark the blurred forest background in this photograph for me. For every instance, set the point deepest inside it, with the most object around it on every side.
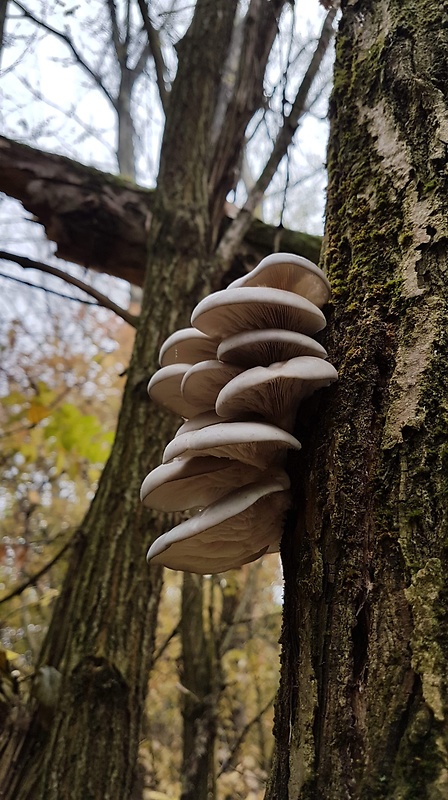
(81, 80)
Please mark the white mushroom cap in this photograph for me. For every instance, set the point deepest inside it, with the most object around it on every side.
(261, 348)
(229, 533)
(231, 311)
(211, 418)
(275, 391)
(194, 482)
(199, 421)
(287, 271)
(253, 443)
(187, 346)
(202, 383)
(164, 389)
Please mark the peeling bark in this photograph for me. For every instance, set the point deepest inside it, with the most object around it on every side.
(362, 707)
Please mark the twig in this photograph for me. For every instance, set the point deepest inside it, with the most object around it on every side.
(101, 299)
(70, 112)
(227, 763)
(226, 634)
(29, 582)
(140, 61)
(120, 50)
(63, 36)
(165, 644)
(48, 291)
(241, 224)
(30, 426)
(156, 52)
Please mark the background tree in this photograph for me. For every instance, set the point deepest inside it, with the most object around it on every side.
(97, 656)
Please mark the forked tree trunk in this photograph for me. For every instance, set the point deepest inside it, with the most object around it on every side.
(362, 708)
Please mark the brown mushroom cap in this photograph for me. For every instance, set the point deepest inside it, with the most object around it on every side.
(164, 389)
(230, 532)
(293, 273)
(261, 348)
(187, 483)
(255, 443)
(202, 383)
(275, 391)
(187, 346)
(231, 311)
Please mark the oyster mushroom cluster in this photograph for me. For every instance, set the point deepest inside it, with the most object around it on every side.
(237, 377)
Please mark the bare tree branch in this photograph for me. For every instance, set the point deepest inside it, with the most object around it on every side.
(236, 745)
(127, 24)
(3, 9)
(241, 224)
(260, 30)
(30, 581)
(45, 289)
(140, 61)
(156, 52)
(88, 128)
(102, 299)
(65, 38)
(165, 644)
(120, 49)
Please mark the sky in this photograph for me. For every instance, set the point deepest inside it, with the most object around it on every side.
(47, 101)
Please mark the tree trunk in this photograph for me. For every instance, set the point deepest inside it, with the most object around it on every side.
(201, 694)
(362, 706)
(126, 130)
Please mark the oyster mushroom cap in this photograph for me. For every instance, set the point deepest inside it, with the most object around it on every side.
(261, 348)
(194, 482)
(275, 391)
(230, 532)
(199, 421)
(164, 389)
(202, 383)
(187, 346)
(232, 311)
(255, 443)
(293, 273)
(211, 418)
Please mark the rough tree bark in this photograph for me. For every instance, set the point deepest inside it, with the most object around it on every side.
(362, 707)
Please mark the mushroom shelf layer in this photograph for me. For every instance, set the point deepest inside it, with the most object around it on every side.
(229, 533)
(237, 377)
(293, 273)
(231, 311)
